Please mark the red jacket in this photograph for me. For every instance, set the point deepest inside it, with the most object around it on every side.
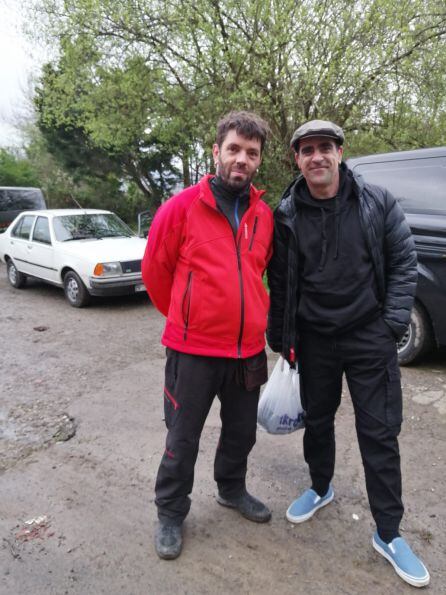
(208, 283)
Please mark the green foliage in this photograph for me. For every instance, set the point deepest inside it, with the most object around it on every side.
(94, 122)
(65, 190)
(140, 84)
(16, 170)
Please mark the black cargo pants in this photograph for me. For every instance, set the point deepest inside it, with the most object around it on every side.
(368, 358)
(191, 384)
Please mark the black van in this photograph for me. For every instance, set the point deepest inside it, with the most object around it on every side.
(418, 180)
(14, 200)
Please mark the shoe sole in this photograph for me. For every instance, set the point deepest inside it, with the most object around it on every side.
(228, 504)
(304, 517)
(167, 556)
(422, 582)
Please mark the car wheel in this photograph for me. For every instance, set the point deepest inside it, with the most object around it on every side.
(418, 339)
(15, 277)
(75, 290)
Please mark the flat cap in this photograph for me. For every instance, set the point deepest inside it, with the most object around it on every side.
(317, 128)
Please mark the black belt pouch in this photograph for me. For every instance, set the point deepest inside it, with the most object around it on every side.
(253, 371)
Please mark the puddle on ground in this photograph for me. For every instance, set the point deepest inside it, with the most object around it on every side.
(25, 429)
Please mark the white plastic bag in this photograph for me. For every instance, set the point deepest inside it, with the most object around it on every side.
(280, 410)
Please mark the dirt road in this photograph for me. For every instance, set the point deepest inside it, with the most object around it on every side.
(81, 438)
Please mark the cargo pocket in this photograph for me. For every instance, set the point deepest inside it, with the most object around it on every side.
(394, 396)
(171, 405)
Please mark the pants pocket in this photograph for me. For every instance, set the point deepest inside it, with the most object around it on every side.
(171, 404)
(394, 396)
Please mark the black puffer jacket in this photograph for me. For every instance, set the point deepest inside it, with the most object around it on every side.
(392, 251)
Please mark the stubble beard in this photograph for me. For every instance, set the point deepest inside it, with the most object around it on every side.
(234, 184)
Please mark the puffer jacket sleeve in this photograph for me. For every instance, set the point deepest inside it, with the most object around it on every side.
(161, 254)
(277, 280)
(400, 267)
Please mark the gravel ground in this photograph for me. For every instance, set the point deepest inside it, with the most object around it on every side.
(81, 437)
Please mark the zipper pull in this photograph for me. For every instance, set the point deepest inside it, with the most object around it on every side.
(253, 233)
(246, 231)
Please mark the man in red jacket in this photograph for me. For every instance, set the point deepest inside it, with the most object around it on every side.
(207, 250)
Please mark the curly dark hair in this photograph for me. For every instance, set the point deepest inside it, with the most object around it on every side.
(246, 124)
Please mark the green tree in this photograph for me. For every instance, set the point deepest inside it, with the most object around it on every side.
(16, 170)
(171, 68)
(64, 189)
(98, 127)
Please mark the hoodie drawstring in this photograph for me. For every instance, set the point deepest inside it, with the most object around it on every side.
(324, 234)
(337, 229)
(324, 241)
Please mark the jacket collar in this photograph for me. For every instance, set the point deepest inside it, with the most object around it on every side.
(207, 196)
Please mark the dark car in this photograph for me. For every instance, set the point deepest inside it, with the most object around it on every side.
(418, 180)
(15, 199)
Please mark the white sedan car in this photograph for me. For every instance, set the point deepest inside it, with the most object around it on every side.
(85, 251)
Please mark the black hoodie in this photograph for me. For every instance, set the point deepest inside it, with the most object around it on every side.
(337, 284)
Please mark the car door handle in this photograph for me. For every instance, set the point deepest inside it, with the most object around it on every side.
(29, 247)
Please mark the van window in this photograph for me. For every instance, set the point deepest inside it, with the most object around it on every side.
(21, 199)
(41, 231)
(23, 227)
(420, 184)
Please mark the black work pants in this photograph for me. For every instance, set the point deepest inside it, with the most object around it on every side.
(191, 383)
(368, 358)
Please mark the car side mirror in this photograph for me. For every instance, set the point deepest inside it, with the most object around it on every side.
(144, 222)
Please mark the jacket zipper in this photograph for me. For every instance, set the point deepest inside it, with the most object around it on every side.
(187, 293)
(242, 298)
(242, 293)
(290, 304)
(253, 233)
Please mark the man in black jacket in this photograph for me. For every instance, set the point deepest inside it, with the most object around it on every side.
(342, 280)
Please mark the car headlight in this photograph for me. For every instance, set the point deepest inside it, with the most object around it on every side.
(103, 269)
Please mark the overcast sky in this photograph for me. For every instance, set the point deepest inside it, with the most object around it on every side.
(19, 60)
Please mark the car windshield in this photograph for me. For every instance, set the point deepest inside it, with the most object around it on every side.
(91, 226)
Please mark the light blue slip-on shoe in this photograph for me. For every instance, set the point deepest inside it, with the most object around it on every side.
(406, 564)
(306, 505)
